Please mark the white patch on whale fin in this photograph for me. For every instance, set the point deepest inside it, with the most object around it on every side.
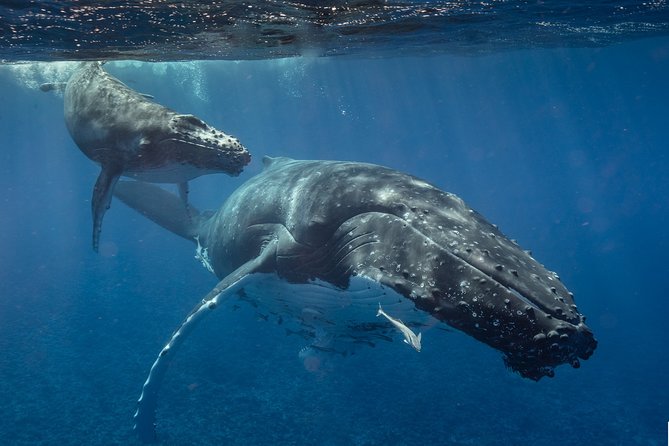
(202, 255)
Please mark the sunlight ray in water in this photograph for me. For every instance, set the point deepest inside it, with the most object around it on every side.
(33, 74)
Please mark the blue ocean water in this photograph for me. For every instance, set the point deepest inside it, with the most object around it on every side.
(564, 148)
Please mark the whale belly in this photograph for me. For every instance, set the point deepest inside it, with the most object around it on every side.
(317, 307)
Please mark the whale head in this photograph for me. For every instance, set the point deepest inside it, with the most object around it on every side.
(461, 269)
(189, 140)
(115, 125)
(430, 247)
(502, 296)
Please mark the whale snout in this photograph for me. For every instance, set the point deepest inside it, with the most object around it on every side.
(563, 344)
(527, 313)
(204, 147)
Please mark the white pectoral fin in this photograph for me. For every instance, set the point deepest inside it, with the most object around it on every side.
(162, 207)
(145, 417)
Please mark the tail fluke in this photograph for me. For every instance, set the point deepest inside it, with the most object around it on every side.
(53, 86)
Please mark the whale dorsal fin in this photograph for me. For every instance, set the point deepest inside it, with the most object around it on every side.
(269, 161)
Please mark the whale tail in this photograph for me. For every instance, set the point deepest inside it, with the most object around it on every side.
(379, 311)
(160, 206)
(53, 86)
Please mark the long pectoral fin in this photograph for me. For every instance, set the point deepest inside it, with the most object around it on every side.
(145, 417)
(102, 195)
(160, 206)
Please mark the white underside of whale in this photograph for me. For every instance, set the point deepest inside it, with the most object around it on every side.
(320, 304)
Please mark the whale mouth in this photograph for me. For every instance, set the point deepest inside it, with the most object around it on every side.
(486, 287)
(526, 280)
(541, 334)
(195, 142)
(522, 298)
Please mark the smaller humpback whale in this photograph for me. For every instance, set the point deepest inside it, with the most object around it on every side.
(323, 243)
(129, 134)
(409, 336)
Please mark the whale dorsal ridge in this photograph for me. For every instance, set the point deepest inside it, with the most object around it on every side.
(269, 161)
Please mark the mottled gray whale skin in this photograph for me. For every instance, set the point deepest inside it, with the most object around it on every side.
(129, 134)
(370, 234)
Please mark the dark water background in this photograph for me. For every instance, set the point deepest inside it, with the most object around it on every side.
(565, 149)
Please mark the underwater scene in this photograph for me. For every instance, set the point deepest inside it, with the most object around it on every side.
(334, 223)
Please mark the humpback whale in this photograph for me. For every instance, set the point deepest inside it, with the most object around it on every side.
(129, 134)
(325, 243)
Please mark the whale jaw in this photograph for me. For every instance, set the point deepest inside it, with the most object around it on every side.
(204, 147)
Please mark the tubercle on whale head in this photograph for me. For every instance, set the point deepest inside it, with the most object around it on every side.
(193, 141)
(459, 268)
(489, 287)
(506, 299)
(563, 345)
(533, 341)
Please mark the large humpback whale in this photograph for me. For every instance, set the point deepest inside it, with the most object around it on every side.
(129, 134)
(324, 243)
